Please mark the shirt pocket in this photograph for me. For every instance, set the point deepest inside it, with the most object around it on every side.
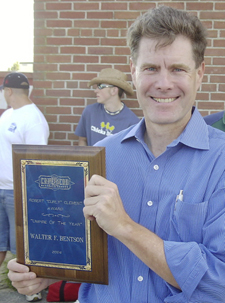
(187, 221)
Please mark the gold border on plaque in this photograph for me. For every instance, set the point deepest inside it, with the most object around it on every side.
(95, 157)
(83, 164)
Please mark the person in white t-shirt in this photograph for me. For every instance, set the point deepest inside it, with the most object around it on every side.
(22, 123)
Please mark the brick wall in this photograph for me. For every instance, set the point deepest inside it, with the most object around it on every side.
(74, 40)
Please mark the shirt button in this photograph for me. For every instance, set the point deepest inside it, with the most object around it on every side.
(150, 203)
(140, 278)
(156, 167)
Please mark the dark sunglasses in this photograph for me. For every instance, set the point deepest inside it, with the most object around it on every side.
(101, 86)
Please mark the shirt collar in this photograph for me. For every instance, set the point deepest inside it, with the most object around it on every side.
(195, 134)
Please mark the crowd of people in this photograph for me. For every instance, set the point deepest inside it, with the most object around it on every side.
(162, 202)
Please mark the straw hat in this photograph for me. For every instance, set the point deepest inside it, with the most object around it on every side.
(113, 77)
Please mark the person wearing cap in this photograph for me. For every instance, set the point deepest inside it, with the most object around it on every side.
(109, 115)
(22, 123)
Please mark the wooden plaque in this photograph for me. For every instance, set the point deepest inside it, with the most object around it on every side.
(52, 236)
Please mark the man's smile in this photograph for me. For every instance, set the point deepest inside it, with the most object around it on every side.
(164, 100)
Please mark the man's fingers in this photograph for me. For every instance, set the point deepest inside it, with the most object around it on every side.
(97, 180)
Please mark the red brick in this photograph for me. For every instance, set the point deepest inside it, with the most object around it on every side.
(219, 24)
(60, 135)
(43, 32)
(222, 87)
(113, 59)
(71, 67)
(59, 32)
(45, 101)
(86, 24)
(59, 23)
(86, 32)
(58, 92)
(58, 84)
(113, 42)
(212, 15)
(126, 15)
(220, 6)
(218, 96)
(72, 50)
(59, 41)
(72, 15)
(100, 50)
(219, 43)
(72, 102)
(199, 6)
(58, 6)
(58, 110)
(73, 32)
(85, 41)
(45, 15)
(57, 76)
(46, 49)
(100, 15)
(60, 127)
(45, 67)
(114, 6)
(211, 105)
(58, 58)
(84, 6)
(113, 24)
(85, 59)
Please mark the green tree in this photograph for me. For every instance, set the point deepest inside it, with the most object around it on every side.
(15, 67)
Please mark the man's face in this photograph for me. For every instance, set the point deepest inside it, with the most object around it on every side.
(103, 95)
(166, 81)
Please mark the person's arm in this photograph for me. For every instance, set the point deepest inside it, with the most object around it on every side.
(24, 281)
(82, 141)
(104, 204)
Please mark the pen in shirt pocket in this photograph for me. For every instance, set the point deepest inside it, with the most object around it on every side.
(179, 197)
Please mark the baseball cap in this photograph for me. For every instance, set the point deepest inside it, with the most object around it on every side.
(15, 80)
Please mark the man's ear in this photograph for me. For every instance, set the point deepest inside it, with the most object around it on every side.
(114, 90)
(8, 91)
(133, 71)
(200, 74)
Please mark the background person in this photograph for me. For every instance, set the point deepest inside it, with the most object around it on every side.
(109, 115)
(163, 203)
(23, 123)
(216, 120)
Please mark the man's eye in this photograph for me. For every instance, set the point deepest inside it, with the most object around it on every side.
(178, 70)
(151, 69)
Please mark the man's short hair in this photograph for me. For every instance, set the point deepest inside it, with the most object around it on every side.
(165, 24)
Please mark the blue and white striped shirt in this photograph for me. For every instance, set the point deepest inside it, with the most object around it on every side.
(193, 230)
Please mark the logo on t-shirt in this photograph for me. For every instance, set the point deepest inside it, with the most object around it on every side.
(12, 127)
(105, 129)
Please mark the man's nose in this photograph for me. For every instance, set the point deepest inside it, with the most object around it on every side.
(164, 80)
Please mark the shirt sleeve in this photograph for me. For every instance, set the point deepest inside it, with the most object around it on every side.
(199, 268)
(81, 127)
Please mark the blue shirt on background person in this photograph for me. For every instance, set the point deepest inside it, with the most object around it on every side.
(192, 229)
(216, 120)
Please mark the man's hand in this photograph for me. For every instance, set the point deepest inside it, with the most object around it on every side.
(103, 203)
(24, 281)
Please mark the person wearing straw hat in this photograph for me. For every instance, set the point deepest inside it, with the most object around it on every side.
(109, 115)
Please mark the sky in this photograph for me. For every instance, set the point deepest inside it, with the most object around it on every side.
(16, 26)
